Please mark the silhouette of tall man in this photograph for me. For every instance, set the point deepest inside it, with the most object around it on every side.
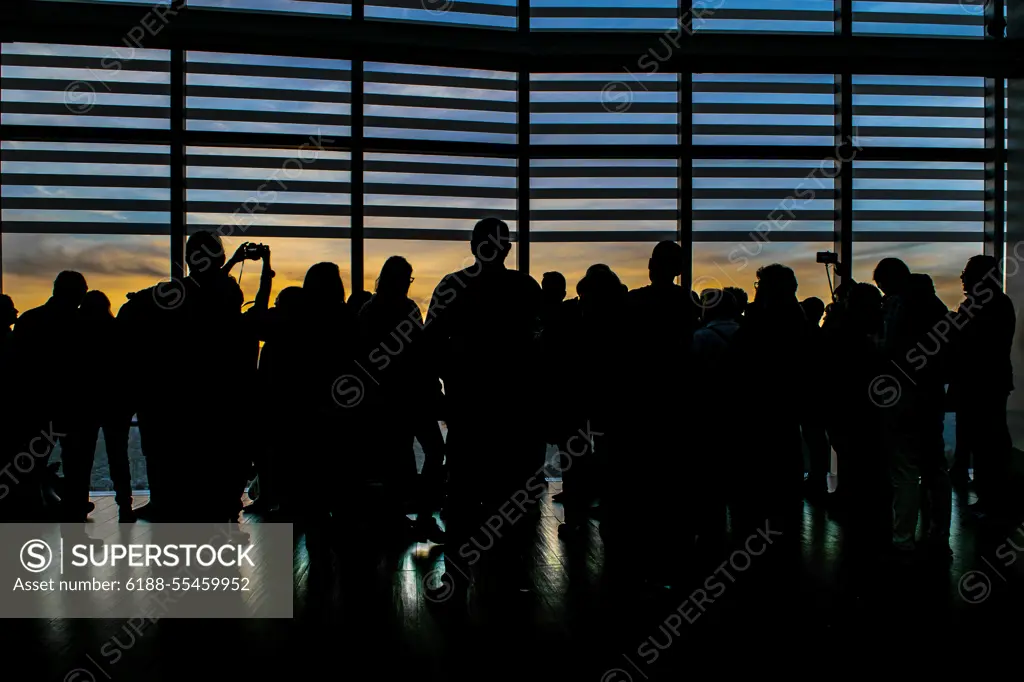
(481, 323)
(913, 425)
(982, 379)
(44, 344)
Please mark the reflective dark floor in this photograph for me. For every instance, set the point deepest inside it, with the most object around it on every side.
(366, 610)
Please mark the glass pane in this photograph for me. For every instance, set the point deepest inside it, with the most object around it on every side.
(604, 108)
(605, 195)
(419, 195)
(627, 259)
(430, 260)
(943, 261)
(734, 264)
(483, 13)
(234, 190)
(439, 103)
(329, 7)
(85, 86)
(603, 15)
(64, 187)
(290, 257)
(267, 94)
(919, 111)
(964, 18)
(918, 196)
(763, 196)
(763, 109)
(763, 16)
(114, 264)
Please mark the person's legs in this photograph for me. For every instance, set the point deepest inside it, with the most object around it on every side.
(116, 431)
(905, 475)
(78, 450)
(936, 482)
(816, 440)
(992, 446)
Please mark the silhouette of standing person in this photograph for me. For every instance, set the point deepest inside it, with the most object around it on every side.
(772, 361)
(334, 389)
(280, 390)
(912, 435)
(403, 403)
(101, 406)
(44, 344)
(813, 431)
(481, 327)
(854, 421)
(982, 380)
(598, 382)
(661, 318)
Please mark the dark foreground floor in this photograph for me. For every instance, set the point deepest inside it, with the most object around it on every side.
(364, 613)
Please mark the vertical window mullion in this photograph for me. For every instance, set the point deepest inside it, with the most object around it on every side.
(523, 168)
(995, 169)
(179, 219)
(685, 187)
(356, 198)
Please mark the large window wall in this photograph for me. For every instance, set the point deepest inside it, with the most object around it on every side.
(948, 18)
(112, 154)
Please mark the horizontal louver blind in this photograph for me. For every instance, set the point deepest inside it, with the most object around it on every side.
(609, 200)
(894, 197)
(919, 111)
(484, 13)
(763, 196)
(328, 7)
(762, 16)
(259, 94)
(85, 86)
(69, 188)
(415, 196)
(763, 109)
(604, 108)
(435, 103)
(965, 18)
(603, 15)
(240, 191)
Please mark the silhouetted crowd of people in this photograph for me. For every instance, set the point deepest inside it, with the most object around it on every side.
(677, 415)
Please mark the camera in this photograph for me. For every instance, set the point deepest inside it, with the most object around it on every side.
(828, 258)
(255, 251)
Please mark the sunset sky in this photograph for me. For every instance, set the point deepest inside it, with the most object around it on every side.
(129, 192)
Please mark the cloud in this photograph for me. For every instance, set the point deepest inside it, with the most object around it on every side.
(43, 256)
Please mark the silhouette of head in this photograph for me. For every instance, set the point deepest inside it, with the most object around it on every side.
(981, 273)
(740, 297)
(95, 306)
(666, 262)
(357, 299)
(921, 284)
(863, 304)
(290, 299)
(8, 313)
(718, 304)
(891, 275)
(814, 309)
(491, 243)
(69, 288)
(600, 285)
(204, 254)
(395, 278)
(323, 284)
(553, 285)
(775, 284)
